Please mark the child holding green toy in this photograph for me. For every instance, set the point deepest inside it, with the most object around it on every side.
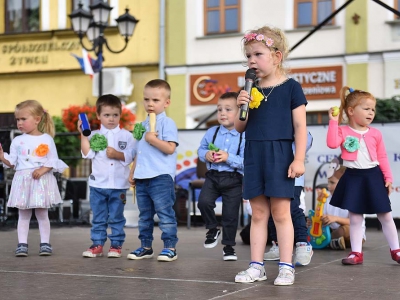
(222, 149)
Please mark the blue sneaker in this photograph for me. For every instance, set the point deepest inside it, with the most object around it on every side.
(141, 253)
(22, 250)
(45, 249)
(167, 255)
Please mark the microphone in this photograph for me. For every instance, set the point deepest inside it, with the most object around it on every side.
(86, 131)
(250, 77)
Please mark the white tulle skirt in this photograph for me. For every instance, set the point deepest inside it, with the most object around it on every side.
(27, 193)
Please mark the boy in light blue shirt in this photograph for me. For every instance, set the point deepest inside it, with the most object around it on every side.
(222, 149)
(153, 174)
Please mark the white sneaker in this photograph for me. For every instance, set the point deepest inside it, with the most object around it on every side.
(255, 272)
(286, 275)
(273, 253)
(303, 254)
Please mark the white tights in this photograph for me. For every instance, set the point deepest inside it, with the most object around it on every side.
(388, 228)
(42, 216)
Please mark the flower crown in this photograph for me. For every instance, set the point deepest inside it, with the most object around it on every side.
(258, 37)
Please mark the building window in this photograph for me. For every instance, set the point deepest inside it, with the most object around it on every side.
(317, 118)
(85, 3)
(221, 16)
(22, 15)
(312, 12)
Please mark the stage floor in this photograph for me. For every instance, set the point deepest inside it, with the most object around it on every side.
(198, 273)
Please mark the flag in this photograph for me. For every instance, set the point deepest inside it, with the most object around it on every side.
(86, 63)
(97, 64)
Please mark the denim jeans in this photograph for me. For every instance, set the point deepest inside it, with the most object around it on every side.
(298, 219)
(108, 210)
(229, 186)
(156, 196)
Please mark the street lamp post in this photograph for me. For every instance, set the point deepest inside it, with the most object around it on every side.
(93, 25)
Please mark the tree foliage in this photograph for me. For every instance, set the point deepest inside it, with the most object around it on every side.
(387, 110)
(67, 145)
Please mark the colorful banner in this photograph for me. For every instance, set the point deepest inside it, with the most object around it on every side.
(316, 161)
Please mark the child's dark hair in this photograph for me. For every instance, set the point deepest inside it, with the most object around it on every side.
(352, 99)
(108, 100)
(46, 124)
(228, 95)
(159, 83)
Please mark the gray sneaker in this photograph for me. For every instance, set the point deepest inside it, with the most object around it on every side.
(303, 254)
(22, 250)
(45, 249)
(273, 253)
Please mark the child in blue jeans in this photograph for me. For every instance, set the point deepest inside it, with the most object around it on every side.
(110, 150)
(153, 174)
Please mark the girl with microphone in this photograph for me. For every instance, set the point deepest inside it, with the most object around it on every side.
(276, 117)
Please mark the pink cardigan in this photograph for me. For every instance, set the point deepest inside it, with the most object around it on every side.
(373, 139)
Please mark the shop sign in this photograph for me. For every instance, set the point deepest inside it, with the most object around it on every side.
(42, 54)
(321, 82)
(207, 88)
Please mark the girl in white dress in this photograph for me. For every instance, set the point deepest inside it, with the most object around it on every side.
(34, 157)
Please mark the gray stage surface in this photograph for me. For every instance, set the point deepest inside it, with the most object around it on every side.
(198, 273)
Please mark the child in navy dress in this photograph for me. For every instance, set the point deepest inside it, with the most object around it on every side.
(366, 184)
(277, 115)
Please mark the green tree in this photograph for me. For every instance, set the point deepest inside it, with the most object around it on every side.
(387, 110)
(68, 145)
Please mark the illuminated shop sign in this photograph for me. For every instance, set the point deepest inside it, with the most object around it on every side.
(319, 83)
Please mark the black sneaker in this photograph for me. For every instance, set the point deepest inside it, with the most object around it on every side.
(45, 249)
(229, 253)
(22, 250)
(141, 253)
(212, 238)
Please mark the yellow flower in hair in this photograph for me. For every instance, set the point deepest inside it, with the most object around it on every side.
(256, 98)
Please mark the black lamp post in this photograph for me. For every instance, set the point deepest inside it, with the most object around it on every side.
(93, 25)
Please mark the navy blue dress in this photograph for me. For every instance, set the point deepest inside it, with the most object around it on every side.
(269, 136)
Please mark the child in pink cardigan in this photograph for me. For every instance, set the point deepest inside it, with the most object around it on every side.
(367, 182)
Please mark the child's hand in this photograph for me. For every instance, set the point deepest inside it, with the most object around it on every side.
(111, 153)
(220, 156)
(132, 181)
(243, 98)
(39, 172)
(389, 187)
(79, 124)
(308, 222)
(150, 137)
(331, 115)
(210, 156)
(328, 219)
(296, 169)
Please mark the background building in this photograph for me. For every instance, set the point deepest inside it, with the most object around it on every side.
(359, 47)
(36, 43)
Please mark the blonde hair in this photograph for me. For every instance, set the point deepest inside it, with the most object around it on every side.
(351, 99)
(280, 43)
(46, 124)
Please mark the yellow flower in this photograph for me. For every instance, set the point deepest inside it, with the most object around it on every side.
(42, 150)
(256, 98)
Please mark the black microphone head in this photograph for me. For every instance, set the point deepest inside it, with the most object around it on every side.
(250, 74)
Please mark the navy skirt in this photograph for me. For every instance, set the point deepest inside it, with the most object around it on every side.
(266, 165)
(362, 191)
